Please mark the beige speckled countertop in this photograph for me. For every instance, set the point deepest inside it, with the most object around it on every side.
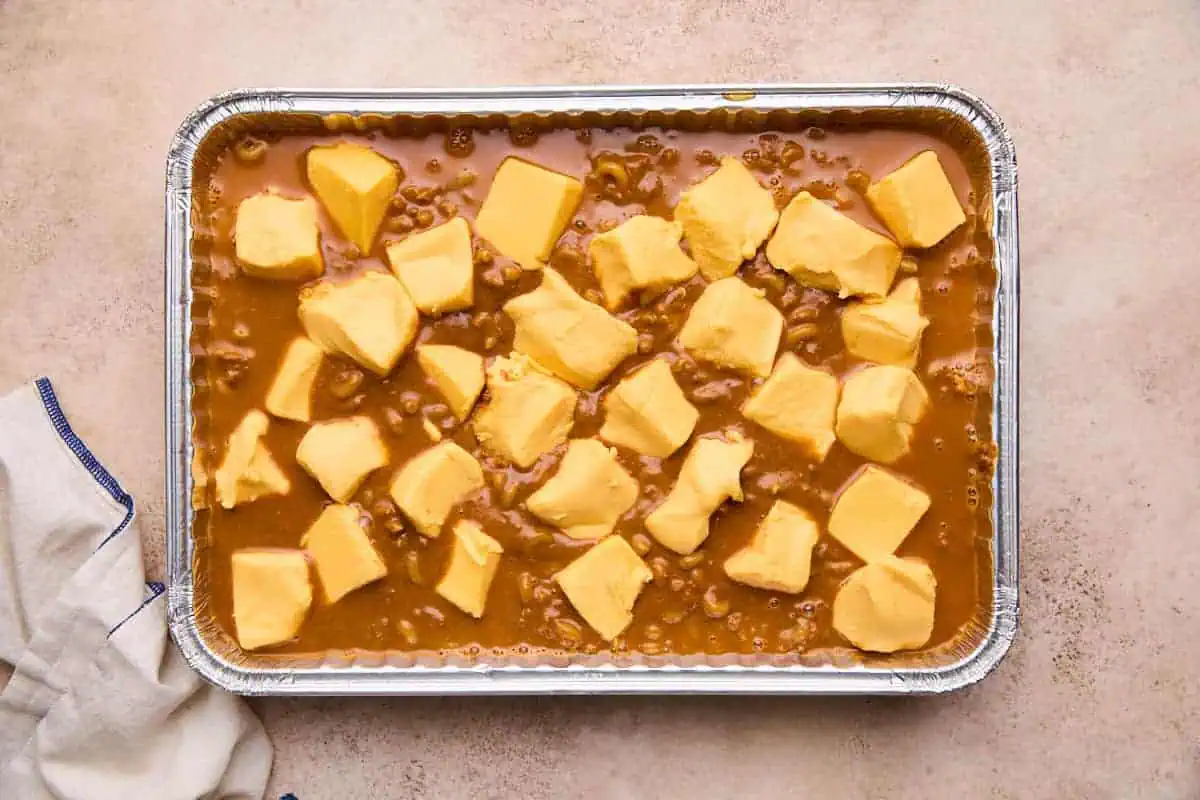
(1098, 698)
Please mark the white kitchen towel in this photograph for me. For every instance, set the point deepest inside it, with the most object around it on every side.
(101, 704)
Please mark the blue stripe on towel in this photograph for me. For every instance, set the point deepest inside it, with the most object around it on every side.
(154, 590)
(102, 476)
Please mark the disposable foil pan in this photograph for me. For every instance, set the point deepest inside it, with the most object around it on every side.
(592, 106)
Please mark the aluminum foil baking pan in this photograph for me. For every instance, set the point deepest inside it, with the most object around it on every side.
(593, 106)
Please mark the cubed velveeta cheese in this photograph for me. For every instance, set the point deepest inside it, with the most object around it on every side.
(648, 412)
(726, 217)
(342, 552)
(528, 414)
(887, 606)
(341, 453)
(710, 475)
(248, 472)
(526, 210)
(278, 238)
(821, 247)
(888, 331)
(436, 268)
(879, 407)
(735, 326)
(272, 593)
(874, 513)
(798, 403)
(290, 395)
(640, 253)
(371, 319)
(588, 494)
(917, 202)
(779, 557)
(604, 583)
(457, 374)
(355, 185)
(473, 564)
(576, 340)
(428, 487)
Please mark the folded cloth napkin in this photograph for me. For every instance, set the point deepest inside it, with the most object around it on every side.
(100, 704)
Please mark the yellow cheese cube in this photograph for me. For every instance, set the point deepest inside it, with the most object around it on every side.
(640, 253)
(887, 606)
(726, 217)
(429, 486)
(797, 402)
(710, 475)
(588, 493)
(457, 374)
(875, 512)
(879, 407)
(341, 453)
(275, 237)
(451, 239)
(529, 413)
(576, 340)
(473, 564)
(342, 552)
(248, 472)
(371, 319)
(290, 395)
(355, 184)
(818, 246)
(648, 412)
(526, 210)
(887, 332)
(917, 202)
(436, 268)
(604, 583)
(272, 593)
(779, 557)
(735, 326)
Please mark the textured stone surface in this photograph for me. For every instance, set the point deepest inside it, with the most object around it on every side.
(1098, 698)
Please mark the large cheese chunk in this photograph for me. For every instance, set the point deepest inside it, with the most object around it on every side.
(290, 395)
(797, 402)
(248, 471)
(648, 412)
(473, 564)
(576, 340)
(734, 326)
(879, 407)
(526, 210)
(710, 475)
(640, 253)
(604, 583)
(355, 184)
(457, 374)
(888, 331)
(875, 512)
(429, 486)
(371, 319)
(887, 606)
(726, 217)
(779, 557)
(529, 413)
(341, 453)
(278, 238)
(435, 267)
(588, 494)
(272, 593)
(917, 202)
(821, 247)
(342, 552)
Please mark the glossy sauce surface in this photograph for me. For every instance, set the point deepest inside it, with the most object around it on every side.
(691, 607)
